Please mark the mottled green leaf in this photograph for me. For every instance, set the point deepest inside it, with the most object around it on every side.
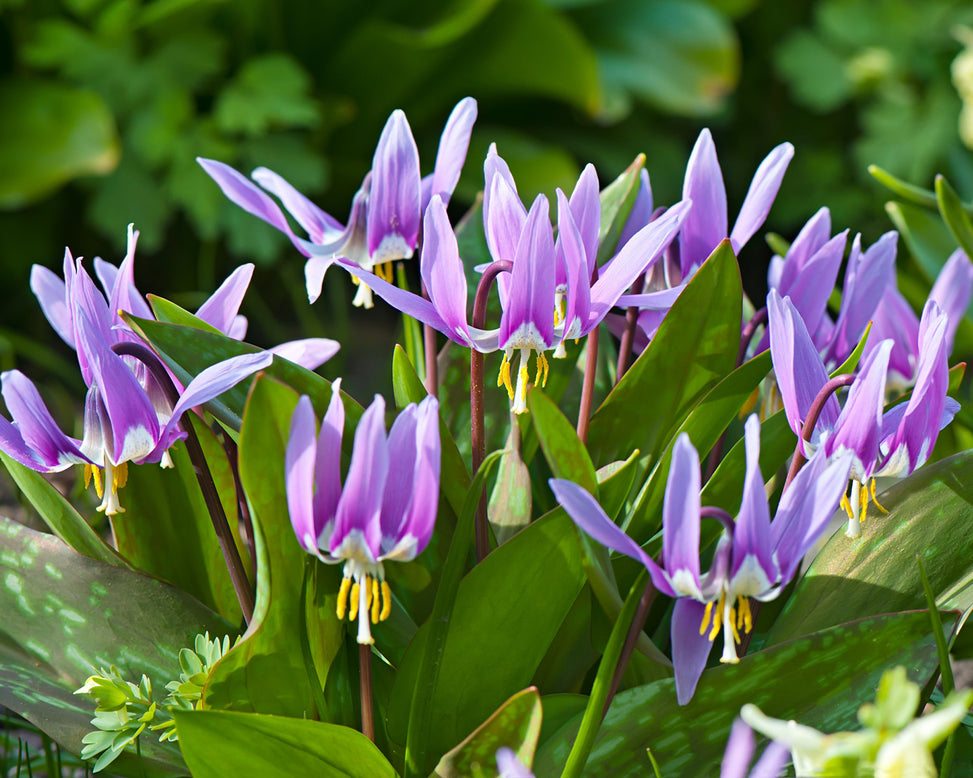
(955, 217)
(820, 680)
(220, 743)
(930, 514)
(563, 450)
(516, 724)
(51, 133)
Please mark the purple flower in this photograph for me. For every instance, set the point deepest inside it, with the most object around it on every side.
(739, 752)
(384, 510)
(509, 766)
(385, 213)
(127, 417)
(755, 557)
(535, 316)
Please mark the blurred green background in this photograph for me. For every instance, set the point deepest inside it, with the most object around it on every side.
(104, 104)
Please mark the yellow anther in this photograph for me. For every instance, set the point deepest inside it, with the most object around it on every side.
(706, 617)
(733, 625)
(120, 476)
(386, 602)
(503, 379)
(367, 583)
(846, 504)
(343, 598)
(745, 615)
(384, 271)
(353, 610)
(543, 368)
(863, 500)
(875, 500)
(96, 477)
(750, 404)
(717, 617)
(375, 601)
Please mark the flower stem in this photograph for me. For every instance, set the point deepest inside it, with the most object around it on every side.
(588, 384)
(628, 336)
(365, 674)
(221, 525)
(641, 614)
(827, 390)
(477, 436)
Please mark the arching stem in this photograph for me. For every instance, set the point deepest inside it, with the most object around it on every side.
(628, 336)
(588, 383)
(478, 439)
(221, 525)
(827, 390)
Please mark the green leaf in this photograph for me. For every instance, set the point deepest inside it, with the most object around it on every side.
(167, 531)
(695, 348)
(168, 312)
(681, 56)
(63, 614)
(59, 515)
(951, 209)
(819, 680)
(265, 672)
(516, 724)
(928, 239)
(508, 610)
(563, 450)
(51, 133)
(220, 743)
(617, 200)
(509, 508)
(911, 192)
(929, 514)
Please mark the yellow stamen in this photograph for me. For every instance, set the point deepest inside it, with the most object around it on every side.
(87, 475)
(353, 610)
(745, 615)
(367, 583)
(343, 598)
(375, 601)
(863, 499)
(706, 617)
(120, 476)
(750, 404)
(386, 602)
(846, 504)
(96, 477)
(543, 368)
(733, 625)
(718, 617)
(503, 379)
(874, 500)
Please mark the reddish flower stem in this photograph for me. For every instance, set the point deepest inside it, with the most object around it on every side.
(827, 390)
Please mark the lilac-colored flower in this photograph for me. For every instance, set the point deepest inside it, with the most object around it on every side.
(385, 509)
(534, 318)
(509, 766)
(739, 753)
(893, 443)
(385, 213)
(706, 224)
(755, 557)
(127, 417)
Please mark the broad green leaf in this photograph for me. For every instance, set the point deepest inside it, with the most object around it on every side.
(516, 724)
(695, 348)
(617, 200)
(615, 482)
(265, 672)
(167, 531)
(508, 610)
(704, 425)
(681, 56)
(51, 133)
(59, 515)
(951, 209)
(563, 450)
(220, 743)
(930, 514)
(168, 312)
(66, 615)
(819, 680)
(187, 351)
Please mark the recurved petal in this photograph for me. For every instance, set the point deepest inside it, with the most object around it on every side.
(585, 511)
(453, 145)
(952, 291)
(442, 270)
(690, 649)
(327, 469)
(309, 353)
(34, 439)
(570, 247)
(739, 751)
(359, 509)
(586, 209)
(706, 225)
(321, 227)
(504, 217)
(641, 213)
(805, 510)
(221, 307)
(246, 194)
(49, 291)
(394, 201)
(752, 569)
(760, 197)
(680, 520)
(299, 475)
